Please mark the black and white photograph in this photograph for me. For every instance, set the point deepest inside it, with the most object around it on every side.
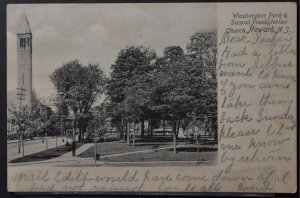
(154, 98)
(112, 85)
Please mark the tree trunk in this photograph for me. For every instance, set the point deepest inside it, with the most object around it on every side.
(61, 130)
(83, 132)
(121, 131)
(174, 137)
(79, 134)
(19, 144)
(74, 134)
(128, 133)
(148, 128)
(177, 129)
(122, 127)
(197, 151)
(174, 143)
(164, 126)
(124, 136)
(151, 129)
(143, 129)
(23, 139)
(133, 138)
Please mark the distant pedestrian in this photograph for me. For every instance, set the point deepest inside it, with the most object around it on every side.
(68, 144)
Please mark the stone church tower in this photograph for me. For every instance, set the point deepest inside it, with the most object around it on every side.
(24, 60)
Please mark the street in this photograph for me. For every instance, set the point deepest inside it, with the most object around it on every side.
(31, 146)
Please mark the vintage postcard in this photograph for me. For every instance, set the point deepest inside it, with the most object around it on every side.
(151, 97)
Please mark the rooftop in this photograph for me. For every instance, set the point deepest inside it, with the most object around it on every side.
(23, 26)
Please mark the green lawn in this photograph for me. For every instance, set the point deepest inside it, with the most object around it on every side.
(108, 148)
(46, 154)
(185, 152)
(166, 155)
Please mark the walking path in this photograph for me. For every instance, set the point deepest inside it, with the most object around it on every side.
(79, 150)
(67, 158)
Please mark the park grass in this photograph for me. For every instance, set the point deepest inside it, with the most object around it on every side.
(182, 154)
(45, 154)
(185, 152)
(109, 148)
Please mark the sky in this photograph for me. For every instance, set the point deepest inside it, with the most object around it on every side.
(95, 33)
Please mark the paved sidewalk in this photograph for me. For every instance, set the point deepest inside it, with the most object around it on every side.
(66, 159)
(69, 155)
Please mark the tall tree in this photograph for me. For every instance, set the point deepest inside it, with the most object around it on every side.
(202, 51)
(131, 65)
(31, 121)
(185, 84)
(203, 46)
(78, 87)
(172, 95)
(23, 121)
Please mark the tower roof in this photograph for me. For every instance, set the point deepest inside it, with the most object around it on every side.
(23, 26)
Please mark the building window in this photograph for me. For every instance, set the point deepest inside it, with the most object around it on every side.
(28, 41)
(23, 43)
